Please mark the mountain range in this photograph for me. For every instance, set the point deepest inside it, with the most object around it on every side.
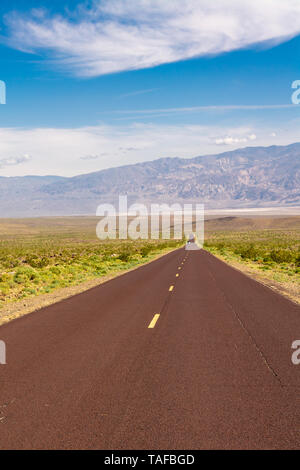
(247, 177)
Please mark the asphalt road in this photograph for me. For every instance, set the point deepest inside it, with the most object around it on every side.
(213, 370)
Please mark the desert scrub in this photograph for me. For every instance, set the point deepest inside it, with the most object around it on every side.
(38, 265)
(277, 251)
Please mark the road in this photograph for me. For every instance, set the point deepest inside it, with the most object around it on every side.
(182, 353)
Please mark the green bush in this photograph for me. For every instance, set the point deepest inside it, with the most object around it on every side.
(281, 256)
(145, 250)
(124, 256)
(249, 252)
(23, 275)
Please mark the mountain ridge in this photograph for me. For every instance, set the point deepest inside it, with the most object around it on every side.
(246, 177)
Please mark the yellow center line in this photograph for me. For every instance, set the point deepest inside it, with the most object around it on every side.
(154, 320)
(171, 288)
(177, 275)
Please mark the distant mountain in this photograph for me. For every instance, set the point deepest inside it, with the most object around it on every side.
(248, 177)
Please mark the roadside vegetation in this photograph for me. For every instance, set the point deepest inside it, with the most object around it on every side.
(38, 263)
(274, 253)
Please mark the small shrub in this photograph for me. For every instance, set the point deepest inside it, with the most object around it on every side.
(281, 256)
(24, 275)
(124, 256)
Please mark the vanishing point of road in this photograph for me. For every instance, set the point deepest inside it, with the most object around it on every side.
(182, 353)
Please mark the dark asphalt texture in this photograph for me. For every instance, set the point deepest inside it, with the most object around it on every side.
(214, 373)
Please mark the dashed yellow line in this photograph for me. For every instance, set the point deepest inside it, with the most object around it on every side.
(177, 275)
(171, 288)
(179, 267)
(154, 320)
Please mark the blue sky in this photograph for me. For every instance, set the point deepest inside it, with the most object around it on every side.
(97, 84)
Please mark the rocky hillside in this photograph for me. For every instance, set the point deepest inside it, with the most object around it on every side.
(249, 177)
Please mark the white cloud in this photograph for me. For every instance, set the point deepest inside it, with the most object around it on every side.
(72, 151)
(229, 140)
(13, 161)
(117, 35)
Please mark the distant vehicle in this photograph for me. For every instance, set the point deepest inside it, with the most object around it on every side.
(191, 238)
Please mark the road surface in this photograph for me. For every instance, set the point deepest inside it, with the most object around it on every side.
(183, 353)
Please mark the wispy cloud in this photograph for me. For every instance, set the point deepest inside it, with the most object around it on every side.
(138, 92)
(135, 114)
(196, 109)
(117, 35)
(13, 161)
(71, 151)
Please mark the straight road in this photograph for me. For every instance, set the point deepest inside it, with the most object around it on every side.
(183, 353)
